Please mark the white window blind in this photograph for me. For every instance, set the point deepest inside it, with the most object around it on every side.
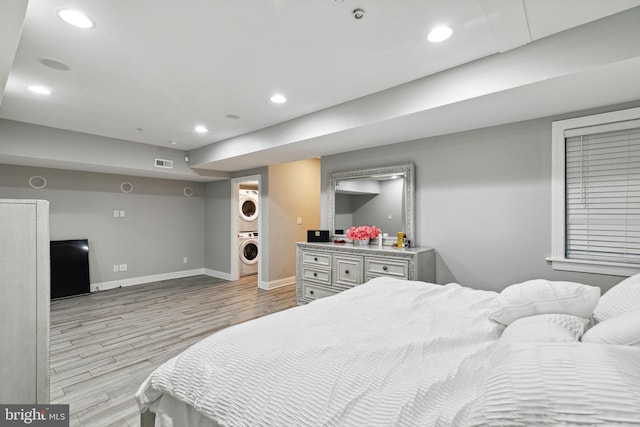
(602, 191)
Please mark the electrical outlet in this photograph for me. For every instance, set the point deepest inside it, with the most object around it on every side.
(123, 267)
(116, 268)
(122, 214)
(116, 213)
(185, 260)
(298, 220)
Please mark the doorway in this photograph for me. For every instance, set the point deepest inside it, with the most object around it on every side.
(246, 227)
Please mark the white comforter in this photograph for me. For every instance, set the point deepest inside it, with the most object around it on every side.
(386, 353)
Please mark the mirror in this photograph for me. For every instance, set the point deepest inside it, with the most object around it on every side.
(382, 197)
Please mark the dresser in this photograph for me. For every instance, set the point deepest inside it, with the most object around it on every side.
(324, 269)
(24, 306)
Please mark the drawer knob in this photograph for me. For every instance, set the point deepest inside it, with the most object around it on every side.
(315, 274)
(315, 258)
(384, 267)
(311, 292)
(346, 272)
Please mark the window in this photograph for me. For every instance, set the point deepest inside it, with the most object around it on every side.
(596, 193)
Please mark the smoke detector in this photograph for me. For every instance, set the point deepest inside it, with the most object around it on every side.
(358, 14)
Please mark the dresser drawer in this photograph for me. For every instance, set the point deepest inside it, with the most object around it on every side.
(321, 259)
(316, 275)
(387, 267)
(324, 269)
(347, 271)
(313, 292)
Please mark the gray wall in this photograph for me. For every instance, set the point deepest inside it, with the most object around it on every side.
(161, 225)
(217, 223)
(483, 201)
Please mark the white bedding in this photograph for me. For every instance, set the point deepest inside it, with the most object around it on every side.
(385, 353)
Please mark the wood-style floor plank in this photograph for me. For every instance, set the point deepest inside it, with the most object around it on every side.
(103, 345)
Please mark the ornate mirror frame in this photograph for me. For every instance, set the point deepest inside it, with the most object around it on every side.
(407, 172)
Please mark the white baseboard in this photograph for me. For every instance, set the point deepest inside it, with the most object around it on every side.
(145, 279)
(277, 283)
(218, 274)
(186, 273)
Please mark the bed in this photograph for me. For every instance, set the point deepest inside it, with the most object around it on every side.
(402, 353)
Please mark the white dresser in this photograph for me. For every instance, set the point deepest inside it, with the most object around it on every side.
(24, 306)
(324, 269)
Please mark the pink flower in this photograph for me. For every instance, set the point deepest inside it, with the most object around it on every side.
(363, 232)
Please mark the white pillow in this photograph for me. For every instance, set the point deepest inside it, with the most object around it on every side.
(623, 297)
(621, 330)
(576, 325)
(544, 328)
(559, 384)
(545, 297)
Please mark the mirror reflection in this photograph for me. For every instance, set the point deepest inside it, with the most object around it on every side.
(377, 200)
(382, 197)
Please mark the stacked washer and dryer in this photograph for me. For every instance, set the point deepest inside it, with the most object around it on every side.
(248, 231)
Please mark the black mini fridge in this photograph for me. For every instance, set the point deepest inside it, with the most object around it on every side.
(69, 268)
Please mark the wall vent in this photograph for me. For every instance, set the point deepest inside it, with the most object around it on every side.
(164, 163)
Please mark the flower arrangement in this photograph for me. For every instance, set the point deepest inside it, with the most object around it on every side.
(363, 232)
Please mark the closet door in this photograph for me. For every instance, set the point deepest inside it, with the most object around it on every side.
(24, 305)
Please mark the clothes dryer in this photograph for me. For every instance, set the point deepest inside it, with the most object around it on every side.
(248, 210)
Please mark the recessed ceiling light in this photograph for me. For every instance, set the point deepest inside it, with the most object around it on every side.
(201, 129)
(75, 18)
(278, 99)
(232, 116)
(439, 34)
(40, 90)
(173, 142)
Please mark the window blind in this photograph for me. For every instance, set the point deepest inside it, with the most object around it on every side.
(603, 195)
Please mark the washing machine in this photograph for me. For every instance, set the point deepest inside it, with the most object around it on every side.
(248, 252)
(248, 210)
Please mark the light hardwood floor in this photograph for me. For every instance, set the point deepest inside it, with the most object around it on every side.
(103, 345)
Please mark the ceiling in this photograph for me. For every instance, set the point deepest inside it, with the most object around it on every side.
(151, 70)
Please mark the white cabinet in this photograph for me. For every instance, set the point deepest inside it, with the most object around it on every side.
(324, 269)
(24, 305)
